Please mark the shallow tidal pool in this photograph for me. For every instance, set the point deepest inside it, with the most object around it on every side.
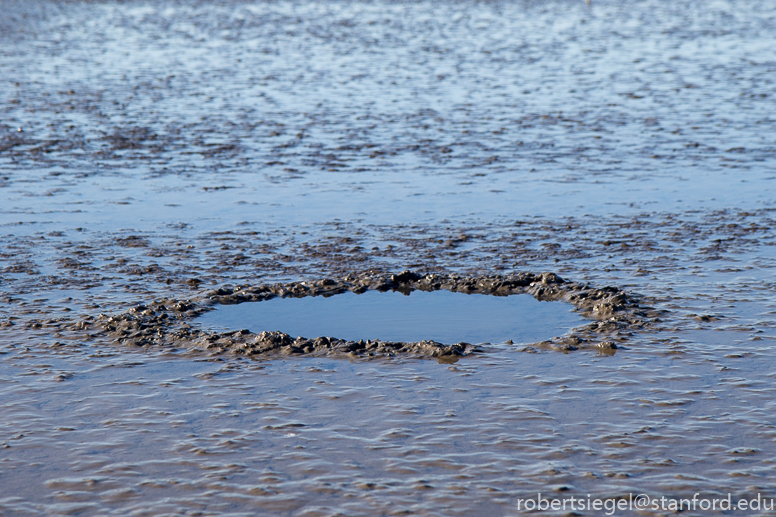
(441, 316)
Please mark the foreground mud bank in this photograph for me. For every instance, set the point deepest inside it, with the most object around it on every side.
(167, 323)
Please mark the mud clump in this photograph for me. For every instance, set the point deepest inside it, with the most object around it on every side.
(244, 342)
(166, 323)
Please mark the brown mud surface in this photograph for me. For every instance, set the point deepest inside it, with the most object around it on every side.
(158, 157)
(166, 323)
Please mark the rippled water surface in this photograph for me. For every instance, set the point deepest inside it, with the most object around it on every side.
(153, 149)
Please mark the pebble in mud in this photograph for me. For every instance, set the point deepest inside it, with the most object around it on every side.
(165, 323)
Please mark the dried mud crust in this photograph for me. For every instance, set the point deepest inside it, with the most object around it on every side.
(616, 315)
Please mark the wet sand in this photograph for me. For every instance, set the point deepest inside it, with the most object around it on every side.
(159, 153)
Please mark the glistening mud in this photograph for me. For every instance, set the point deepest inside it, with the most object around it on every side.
(166, 323)
(162, 159)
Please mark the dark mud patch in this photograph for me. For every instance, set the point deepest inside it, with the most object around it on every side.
(168, 323)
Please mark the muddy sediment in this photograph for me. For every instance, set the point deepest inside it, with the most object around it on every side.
(616, 314)
(194, 154)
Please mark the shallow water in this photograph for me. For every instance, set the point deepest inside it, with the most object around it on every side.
(440, 316)
(170, 147)
(231, 112)
(107, 431)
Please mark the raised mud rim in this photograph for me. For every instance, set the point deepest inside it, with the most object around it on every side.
(616, 314)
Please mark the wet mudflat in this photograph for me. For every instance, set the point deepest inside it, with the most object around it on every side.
(165, 149)
(101, 431)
